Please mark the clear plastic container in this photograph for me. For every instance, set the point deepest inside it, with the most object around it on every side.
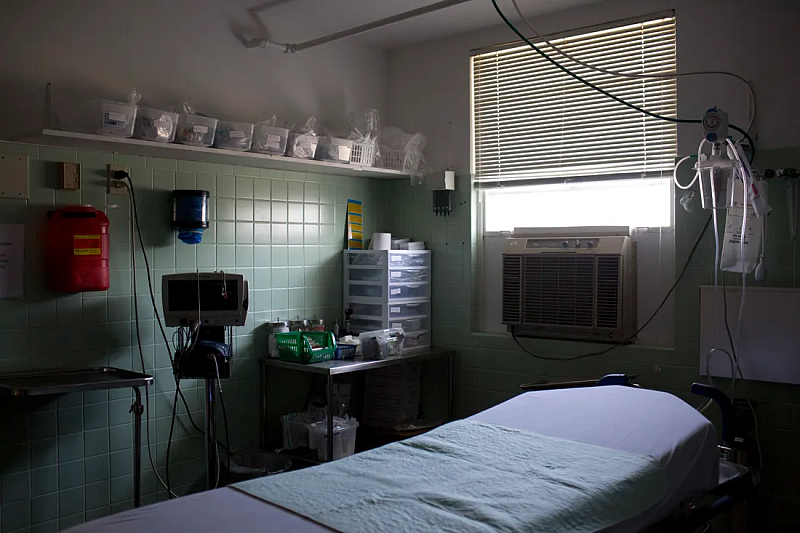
(372, 274)
(397, 311)
(233, 135)
(117, 118)
(382, 343)
(155, 125)
(295, 431)
(409, 276)
(302, 146)
(334, 149)
(417, 340)
(270, 140)
(409, 259)
(410, 324)
(366, 291)
(407, 292)
(363, 325)
(344, 438)
(196, 130)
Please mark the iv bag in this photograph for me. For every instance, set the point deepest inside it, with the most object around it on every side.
(735, 257)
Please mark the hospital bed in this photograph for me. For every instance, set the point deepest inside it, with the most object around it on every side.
(626, 420)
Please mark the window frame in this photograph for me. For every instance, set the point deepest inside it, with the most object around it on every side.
(661, 331)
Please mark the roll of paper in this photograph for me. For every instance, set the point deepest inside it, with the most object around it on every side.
(381, 241)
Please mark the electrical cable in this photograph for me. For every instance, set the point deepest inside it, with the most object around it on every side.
(643, 76)
(135, 223)
(169, 440)
(225, 420)
(608, 94)
(139, 344)
(647, 323)
(135, 229)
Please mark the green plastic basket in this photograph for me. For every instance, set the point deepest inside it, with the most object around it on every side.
(295, 347)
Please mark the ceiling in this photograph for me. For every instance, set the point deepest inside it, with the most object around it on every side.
(321, 17)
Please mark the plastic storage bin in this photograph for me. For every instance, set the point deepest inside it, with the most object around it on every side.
(366, 291)
(397, 311)
(409, 259)
(382, 343)
(155, 125)
(363, 325)
(411, 275)
(334, 149)
(233, 135)
(411, 324)
(364, 154)
(408, 292)
(365, 274)
(196, 130)
(302, 146)
(295, 431)
(344, 438)
(306, 347)
(270, 140)
(417, 340)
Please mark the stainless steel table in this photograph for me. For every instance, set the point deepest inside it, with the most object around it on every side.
(63, 381)
(346, 366)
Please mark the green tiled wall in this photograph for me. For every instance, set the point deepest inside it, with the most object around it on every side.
(490, 367)
(68, 459)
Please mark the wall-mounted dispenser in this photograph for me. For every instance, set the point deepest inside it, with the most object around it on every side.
(442, 184)
(190, 214)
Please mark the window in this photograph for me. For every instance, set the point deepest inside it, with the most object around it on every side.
(549, 151)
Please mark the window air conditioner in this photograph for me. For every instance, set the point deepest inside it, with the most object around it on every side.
(570, 283)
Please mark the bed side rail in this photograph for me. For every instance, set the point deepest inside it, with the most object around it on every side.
(608, 379)
(725, 406)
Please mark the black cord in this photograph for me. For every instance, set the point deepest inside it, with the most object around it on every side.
(608, 94)
(225, 420)
(626, 341)
(135, 214)
(169, 440)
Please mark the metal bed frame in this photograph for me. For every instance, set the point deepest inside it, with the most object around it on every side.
(737, 482)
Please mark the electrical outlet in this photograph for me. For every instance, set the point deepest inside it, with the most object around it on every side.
(115, 185)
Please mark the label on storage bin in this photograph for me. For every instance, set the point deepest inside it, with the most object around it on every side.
(396, 274)
(344, 153)
(274, 141)
(115, 119)
(394, 310)
(395, 291)
(197, 128)
(236, 135)
(397, 258)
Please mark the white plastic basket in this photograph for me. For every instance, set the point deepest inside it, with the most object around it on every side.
(363, 154)
(393, 159)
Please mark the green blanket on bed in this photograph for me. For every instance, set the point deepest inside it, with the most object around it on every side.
(471, 477)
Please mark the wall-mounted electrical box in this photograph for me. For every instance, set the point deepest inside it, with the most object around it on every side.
(69, 176)
(13, 176)
(442, 184)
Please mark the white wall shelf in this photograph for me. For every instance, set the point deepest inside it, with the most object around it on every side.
(84, 141)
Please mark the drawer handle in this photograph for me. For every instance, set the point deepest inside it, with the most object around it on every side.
(414, 286)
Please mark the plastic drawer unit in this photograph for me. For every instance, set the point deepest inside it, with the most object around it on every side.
(390, 289)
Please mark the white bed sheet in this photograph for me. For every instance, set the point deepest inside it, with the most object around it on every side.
(636, 420)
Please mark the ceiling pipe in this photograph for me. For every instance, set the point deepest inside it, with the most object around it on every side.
(260, 42)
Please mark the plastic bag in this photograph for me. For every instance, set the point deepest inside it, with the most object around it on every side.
(365, 127)
(303, 141)
(404, 151)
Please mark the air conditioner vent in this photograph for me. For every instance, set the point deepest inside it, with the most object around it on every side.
(559, 290)
(608, 275)
(570, 287)
(512, 289)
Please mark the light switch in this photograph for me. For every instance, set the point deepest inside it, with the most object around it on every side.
(13, 176)
(69, 175)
